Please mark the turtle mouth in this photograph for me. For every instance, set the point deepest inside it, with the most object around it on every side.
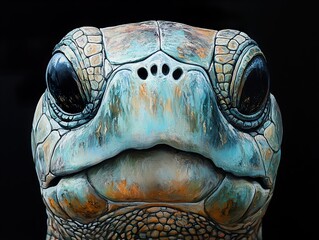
(152, 189)
(174, 175)
(158, 174)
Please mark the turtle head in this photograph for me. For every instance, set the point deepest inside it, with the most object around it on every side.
(156, 129)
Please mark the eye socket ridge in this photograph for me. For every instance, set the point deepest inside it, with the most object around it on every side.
(63, 84)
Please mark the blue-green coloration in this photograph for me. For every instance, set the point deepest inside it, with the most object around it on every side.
(156, 130)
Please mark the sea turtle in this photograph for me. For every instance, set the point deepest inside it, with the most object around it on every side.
(156, 130)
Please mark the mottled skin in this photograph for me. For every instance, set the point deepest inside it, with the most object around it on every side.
(156, 130)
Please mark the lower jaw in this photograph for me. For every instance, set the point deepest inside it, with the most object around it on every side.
(149, 221)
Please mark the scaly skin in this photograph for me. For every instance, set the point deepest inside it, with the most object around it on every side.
(156, 130)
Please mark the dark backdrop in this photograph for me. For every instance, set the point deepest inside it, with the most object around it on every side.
(286, 33)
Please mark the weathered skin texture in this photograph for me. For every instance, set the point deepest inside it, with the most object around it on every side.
(156, 130)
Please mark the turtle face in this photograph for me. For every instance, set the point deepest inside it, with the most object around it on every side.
(155, 130)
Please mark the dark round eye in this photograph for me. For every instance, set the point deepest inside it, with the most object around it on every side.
(63, 84)
(255, 88)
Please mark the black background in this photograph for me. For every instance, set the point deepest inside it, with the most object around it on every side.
(286, 32)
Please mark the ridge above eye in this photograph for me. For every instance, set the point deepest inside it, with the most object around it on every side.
(254, 89)
(64, 85)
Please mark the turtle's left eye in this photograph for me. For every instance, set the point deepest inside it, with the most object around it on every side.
(254, 89)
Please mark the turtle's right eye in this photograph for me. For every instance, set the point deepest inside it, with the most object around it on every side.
(64, 85)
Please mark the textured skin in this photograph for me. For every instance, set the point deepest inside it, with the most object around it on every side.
(160, 149)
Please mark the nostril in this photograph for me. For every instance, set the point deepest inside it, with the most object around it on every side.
(154, 70)
(165, 69)
(142, 73)
(177, 73)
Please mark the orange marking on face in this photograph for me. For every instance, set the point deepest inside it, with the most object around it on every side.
(168, 105)
(55, 207)
(268, 154)
(142, 91)
(201, 52)
(227, 207)
(181, 53)
(178, 188)
(52, 203)
(90, 208)
(205, 32)
(124, 190)
(171, 191)
(222, 213)
(178, 92)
